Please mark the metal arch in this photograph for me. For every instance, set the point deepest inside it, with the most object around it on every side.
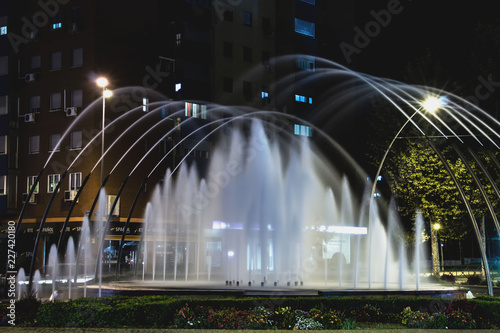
(469, 211)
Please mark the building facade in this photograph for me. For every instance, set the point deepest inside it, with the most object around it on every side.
(159, 57)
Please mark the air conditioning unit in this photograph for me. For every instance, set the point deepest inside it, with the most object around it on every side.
(30, 77)
(32, 198)
(29, 118)
(269, 68)
(73, 27)
(71, 111)
(70, 195)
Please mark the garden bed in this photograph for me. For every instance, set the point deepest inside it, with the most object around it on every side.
(259, 313)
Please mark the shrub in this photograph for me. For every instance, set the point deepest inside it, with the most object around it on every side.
(26, 309)
(473, 279)
(448, 278)
(414, 319)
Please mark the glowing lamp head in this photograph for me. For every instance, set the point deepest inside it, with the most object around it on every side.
(108, 93)
(433, 103)
(102, 82)
(436, 226)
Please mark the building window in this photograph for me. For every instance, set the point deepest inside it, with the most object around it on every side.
(145, 104)
(195, 110)
(53, 180)
(3, 30)
(76, 140)
(4, 104)
(303, 99)
(75, 181)
(302, 130)
(55, 60)
(4, 65)
(247, 54)
(227, 84)
(34, 144)
(3, 144)
(178, 39)
(3, 185)
(55, 101)
(77, 98)
(77, 59)
(227, 50)
(35, 104)
(36, 62)
(247, 19)
(247, 91)
(178, 86)
(54, 142)
(31, 181)
(109, 203)
(305, 28)
(228, 15)
(56, 21)
(307, 64)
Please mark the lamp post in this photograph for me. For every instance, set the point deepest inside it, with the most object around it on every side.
(434, 248)
(430, 104)
(103, 83)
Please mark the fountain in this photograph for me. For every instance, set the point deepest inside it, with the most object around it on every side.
(270, 211)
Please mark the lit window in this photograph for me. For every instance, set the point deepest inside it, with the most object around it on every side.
(75, 181)
(54, 142)
(53, 180)
(195, 110)
(178, 86)
(265, 94)
(34, 144)
(3, 30)
(3, 185)
(55, 101)
(145, 104)
(109, 203)
(303, 99)
(307, 64)
(178, 38)
(247, 19)
(57, 25)
(3, 144)
(305, 28)
(31, 181)
(76, 140)
(302, 130)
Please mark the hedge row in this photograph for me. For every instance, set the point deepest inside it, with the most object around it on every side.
(159, 311)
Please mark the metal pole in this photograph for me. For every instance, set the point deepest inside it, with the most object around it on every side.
(102, 132)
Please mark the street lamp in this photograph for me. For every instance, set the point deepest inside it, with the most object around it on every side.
(430, 104)
(103, 83)
(434, 247)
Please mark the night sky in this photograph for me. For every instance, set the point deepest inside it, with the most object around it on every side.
(445, 27)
